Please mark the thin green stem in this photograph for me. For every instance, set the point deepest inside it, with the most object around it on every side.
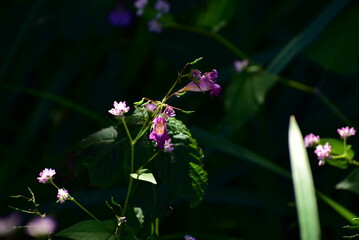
(129, 189)
(212, 34)
(148, 161)
(126, 128)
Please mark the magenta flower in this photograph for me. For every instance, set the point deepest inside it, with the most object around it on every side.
(346, 132)
(119, 109)
(169, 112)
(41, 227)
(204, 82)
(159, 132)
(240, 65)
(62, 195)
(310, 140)
(46, 175)
(323, 152)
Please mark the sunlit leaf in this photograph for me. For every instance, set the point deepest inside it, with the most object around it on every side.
(144, 175)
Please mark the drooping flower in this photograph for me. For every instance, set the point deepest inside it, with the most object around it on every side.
(168, 147)
(119, 109)
(346, 132)
(155, 26)
(169, 112)
(140, 5)
(62, 195)
(240, 65)
(204, 82)
(189, 237)
(159, 133)
(46, 175)
(310, 140)
(41, 226)
(323, 152)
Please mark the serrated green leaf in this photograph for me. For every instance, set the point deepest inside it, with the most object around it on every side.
(89, 230)
(351, 182)
(144, 175)
(245, 95)
(305, 198)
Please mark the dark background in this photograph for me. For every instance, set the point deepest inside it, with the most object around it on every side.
(62, 64)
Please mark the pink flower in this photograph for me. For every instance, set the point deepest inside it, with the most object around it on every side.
(62, 195)
(346, 132)
(168, 146)
(41, 227)
(169, 112)
(310, 140)
(159, 132)
(240, 65)
(203, 82)
(119, 109)
(323, 152)
(46, 174)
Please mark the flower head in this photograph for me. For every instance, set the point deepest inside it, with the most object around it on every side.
(240, 65)
(159, 132)
(41, 227)
(323, 152)
(189, 237)
(169, 112)
(151, 107)
(140, 5)
(119, 109)
(46, 175)
(310, 140)
(62, 195)
(155, 26)
(204, 82)
(346, 132)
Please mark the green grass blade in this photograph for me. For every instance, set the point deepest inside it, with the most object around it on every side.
(303, 185)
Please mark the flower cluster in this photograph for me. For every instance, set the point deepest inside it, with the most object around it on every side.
(203, 82)
(323, 152)
(119, 109)
(311, 140)
(62, 195)
(161, 7)
(46, 175)
(346, 132)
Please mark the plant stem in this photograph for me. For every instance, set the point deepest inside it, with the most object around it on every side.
(129, 190)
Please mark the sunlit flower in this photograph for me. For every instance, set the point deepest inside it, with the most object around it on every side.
(62, 195)
(323, 152)
(240, 65)
(140, 5)
(310, 140)
(168, 146)
(155, 26)
(189, 237)
(119, 109)
(41, 227)
(204, 83)
(169, 112)
(346, 132)
(159, 132)
(46, 174)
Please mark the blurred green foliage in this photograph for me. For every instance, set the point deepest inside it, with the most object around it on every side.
(62, 64)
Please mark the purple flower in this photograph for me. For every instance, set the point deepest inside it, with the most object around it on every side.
(189, 237)
(140, 5)
(151, 107)
(205, 83)
(119, 109)
(162, 7)
(159, 132)
(310, 140)
(46, 174)
(323, 152)
(169, 112)
(62, 195)
(240, 65)
(8, 223)
(155, 26)
(346, 132)
(168, 147)
(120, 17)
(41, 227)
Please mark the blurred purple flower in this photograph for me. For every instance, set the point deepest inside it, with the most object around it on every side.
(140, 5)
(155, 26)
(151, 107)
(189, 237)
(168, 146)
(240, 65)
(41, 227)
(8, 223)
(120, 17)
(162, 7)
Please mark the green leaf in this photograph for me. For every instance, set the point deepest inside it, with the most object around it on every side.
(303, 184)
(338, 149)
(245, 95)
(351, 182)
(336, 51)
(100, 154)
(89, 230)
(144, 175)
